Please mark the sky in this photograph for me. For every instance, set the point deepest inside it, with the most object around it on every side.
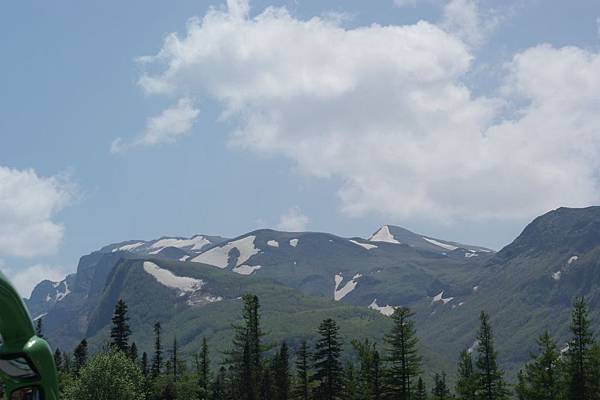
(459, 119)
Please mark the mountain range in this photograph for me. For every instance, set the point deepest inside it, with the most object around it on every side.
(193, 286)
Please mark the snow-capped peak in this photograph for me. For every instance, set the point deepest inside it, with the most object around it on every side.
(383, 235)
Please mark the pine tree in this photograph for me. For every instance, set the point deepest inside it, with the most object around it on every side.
(157, 359)
(578, 355)
(174, 361)
(39, 329)
(144, 365)
(120, 331)
(368, 374)
(58, 360)
(302, 387)
(403, 358)
(203, 370)
(281, 374)
(219, 385)
(421, 391)
(351, 389)
(328, 369)
(246, 356)
(490, 382)
(80, 357)
(466, 380)
(266, 384)
(377, 373)
(540, 380)
(133, 352)
(66, 363)
(440, 390)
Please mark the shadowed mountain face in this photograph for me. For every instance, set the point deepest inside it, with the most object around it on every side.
(193, 285)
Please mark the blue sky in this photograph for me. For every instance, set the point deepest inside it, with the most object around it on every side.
(335, 116)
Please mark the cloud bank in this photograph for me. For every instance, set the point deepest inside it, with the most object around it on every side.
(28, 207)
(384, 109)
(293, 220)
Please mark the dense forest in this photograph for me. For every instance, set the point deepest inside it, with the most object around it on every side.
(254, 369)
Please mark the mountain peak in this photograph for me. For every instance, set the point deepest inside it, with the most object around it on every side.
(569, 229)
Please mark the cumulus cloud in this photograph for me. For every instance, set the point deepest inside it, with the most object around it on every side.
(384, 109)
(167, 127)
(28, 207)
(293, 220)
(467, 20)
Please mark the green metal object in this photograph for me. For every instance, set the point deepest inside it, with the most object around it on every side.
(26, 361)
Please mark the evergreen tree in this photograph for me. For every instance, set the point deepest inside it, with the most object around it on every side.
(466, 380)
(219, 385)
(120, 331)
(80, 355)
(246, 356)
(133, 352)
(302, 386)
(157, 359)
(39, 328)
(440, 390)
(58, 360)
(266, 385)
(351, 390)
(490, 382)
(421, 391)
(66, 363)
(203, 370)
(578, 355)
(328, 369)
(174, 361)
(377, 373)
(540, 380)
(281, 374)
(368, 374)
(403, 358)
(144, 365)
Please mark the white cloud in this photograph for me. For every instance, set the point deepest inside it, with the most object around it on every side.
(384, 109)
(293, 220)
(467, 20)
(167, 127)
(24, 280)
(28, 206)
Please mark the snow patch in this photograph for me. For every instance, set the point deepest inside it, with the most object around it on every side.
(219, 256)
(195, 243)
(470, 254)
(273, 243)
(167, 278)
(440, 298)
(383, 235)
(475, 288)
(339, 294)
(473, 347)
(556, 275)
(440, 244)
(364, 245)
(572, 260)
(294, 242)
(129, 247)
(40, 316)
(246, 269)
(385, 310)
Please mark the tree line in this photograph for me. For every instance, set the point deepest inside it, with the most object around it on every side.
(252, 369)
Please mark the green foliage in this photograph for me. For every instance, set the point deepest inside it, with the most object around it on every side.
(157, 359)
(328, 368)
(541, 378)
(579, 355)
(108, 376)
(490, 378)
(466, 379)
(404, 361)
(302, 387)
(281, 374)
(420, 391)
(120, 331)
(440, 390)
(80, 355)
